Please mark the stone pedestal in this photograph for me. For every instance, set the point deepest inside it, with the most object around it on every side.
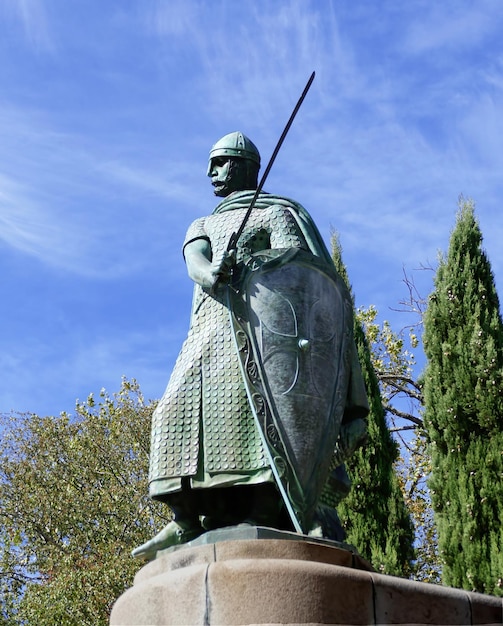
(285, 579)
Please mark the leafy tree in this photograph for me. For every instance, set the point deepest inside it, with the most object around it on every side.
(72, 506)
(374, 514)
(463, 341)
(394, 364)
(402, 397)
(414, 469)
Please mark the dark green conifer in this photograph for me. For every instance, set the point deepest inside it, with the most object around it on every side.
(374, 514)
(463, 390)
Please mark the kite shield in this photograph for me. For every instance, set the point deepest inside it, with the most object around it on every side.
(292, 320)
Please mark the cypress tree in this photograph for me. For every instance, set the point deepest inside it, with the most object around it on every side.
(374, 514)
(463, 390)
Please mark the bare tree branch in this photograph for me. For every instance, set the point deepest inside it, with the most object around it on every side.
(406, 416)
(405, 379)
(399, 429)
(390, 379)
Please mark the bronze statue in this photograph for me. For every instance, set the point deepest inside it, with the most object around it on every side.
(267, 381)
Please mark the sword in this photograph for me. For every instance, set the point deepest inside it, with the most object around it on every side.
(235, 236)
(231, 248)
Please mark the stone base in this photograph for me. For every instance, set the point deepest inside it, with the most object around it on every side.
(286, 579)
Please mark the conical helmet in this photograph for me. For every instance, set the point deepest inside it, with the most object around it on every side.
(235, 144)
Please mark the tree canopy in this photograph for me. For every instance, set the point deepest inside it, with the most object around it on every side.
(73, 505)
(463, 341)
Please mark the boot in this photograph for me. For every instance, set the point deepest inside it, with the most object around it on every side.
(174, 534)
(184, 528)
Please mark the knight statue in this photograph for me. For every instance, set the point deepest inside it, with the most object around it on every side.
(266, 399)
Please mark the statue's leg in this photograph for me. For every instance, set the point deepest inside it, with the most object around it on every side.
(265, 506)
(257, 505)
(221, 507)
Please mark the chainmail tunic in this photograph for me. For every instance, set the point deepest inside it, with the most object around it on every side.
(203, 427)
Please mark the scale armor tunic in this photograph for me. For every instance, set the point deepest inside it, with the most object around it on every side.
(203, 427)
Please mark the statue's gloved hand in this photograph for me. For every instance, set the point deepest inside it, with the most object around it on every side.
(209, 271)
(222, 268)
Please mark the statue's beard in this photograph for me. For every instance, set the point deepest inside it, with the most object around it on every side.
(237, 179)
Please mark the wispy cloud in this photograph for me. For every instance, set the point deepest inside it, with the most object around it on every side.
(169, 183)
(33, 16)
(173, 20)
(454, 26)
(74, 205)
(25, 373)
(249, 69)
(104, 145)
(22, 223)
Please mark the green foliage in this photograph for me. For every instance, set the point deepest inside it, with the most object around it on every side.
(374, 514)
(414, 469)
(469, 509)
(463, 341)
(389, 354)
(72, 507)
(394, 365)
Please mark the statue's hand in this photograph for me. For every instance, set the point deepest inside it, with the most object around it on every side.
(221, 268)
(209, 271)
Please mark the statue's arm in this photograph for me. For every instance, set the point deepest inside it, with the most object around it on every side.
(202, 268)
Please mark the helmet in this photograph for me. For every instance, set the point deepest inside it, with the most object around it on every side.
(235, 145)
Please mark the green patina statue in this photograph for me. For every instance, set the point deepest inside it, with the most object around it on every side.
(266, 398)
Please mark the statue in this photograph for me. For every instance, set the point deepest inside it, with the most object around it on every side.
(266, 398)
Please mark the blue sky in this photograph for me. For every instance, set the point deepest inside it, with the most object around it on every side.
(107, 114)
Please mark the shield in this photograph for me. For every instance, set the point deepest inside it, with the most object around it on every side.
(292, 319)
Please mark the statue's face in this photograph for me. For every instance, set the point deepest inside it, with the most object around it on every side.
(227, 175)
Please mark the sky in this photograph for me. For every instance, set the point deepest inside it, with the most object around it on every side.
(107, 114)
